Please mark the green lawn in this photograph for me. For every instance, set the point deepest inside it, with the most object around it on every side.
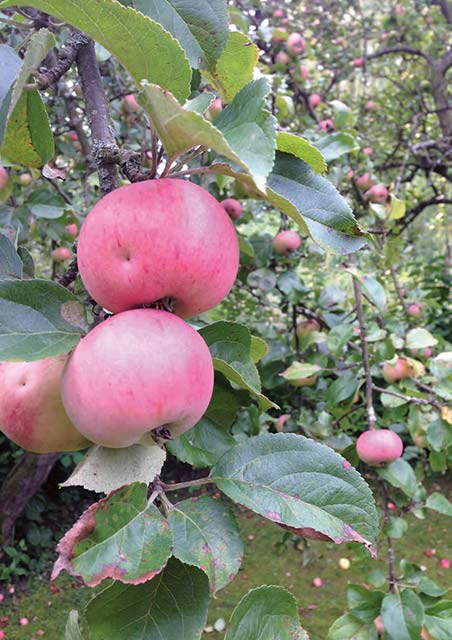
(265, 562)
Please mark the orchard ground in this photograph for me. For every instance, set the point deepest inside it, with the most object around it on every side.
(268, 560)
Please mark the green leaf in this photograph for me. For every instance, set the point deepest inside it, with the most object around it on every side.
(402, 615)
(104, 469)
(437, 502)
(398, 208)
(364, 604)
(72, 630)
(314, 204)
(134, 39)
(343, 388)
(230, 347)
(28, 138)
(263, 279)
(259, 348)
(430, 588)
(10, 263)
(200, 103)
(441, 366)
(265, 613)
(234, 69)
(438, 620)
(338, 337)
(202, 445)
(439, 435)
(401, 475)
(302, 149)
(342, 113)
(10, 64)
(301, 370)
(295, 481)
(420, 338)
(396, 528)
(201, 27)
(120, 537)
(207, 536)
(33, 321)
(335, 145)
(390, 401)
(375, 292)
(46, 211)
(172, 606)
(347, 627)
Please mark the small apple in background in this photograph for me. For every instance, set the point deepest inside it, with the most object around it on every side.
(25, 179)
(429, 553)
(61, 253)
(350, 174)
(379, 446)
(278, 13)
(368, 151)
(391, 506)
(286, 242)
(72, 135)
(281, 421)
(344, 563)
(304, 71)
(282, 58)
(295, 44)
(364, 182)
(422, 353)
(4, 178)
(214, 109)
(326, 125)
(370, 104)
(420, 442)
(317, 582)
(232, 207)
(400, 370)
(277, 39)
(304, 327)
(314, 100)
(415, 309)
(130, 104)
(444, 563)
(378, 194)
(379, 625)
(24, 622)
(2, 635)
(358, 62)
(72, 229)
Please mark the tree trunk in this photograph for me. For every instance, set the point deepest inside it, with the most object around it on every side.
(20, 485)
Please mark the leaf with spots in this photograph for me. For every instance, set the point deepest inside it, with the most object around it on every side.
(33, 321)
(120, 537)
(206, 535)
(11, 265)
(302, 484)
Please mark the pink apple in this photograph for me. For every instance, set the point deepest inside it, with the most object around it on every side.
(358, 62)
(25, 179)
(422, 353)
(304, 327)
(159, 239)
(2, 597)
(295, 44)
(276, 37)
(24, 622)
(232, 207)
(31, 411)
(379, 446)
(317, 582)
(137, 371)
(61, 253)
(2, 635)
(370, 104)
(364, 182)
(368, 151)
(304, 71)
(326, 125)
(314, 100)
(392, 506)
(400, 370)
(4, 178)
(282, 58)
(379, 625)
(281, 421)
(415, 309)
(214, 109)
(286, 242)
(429, 553)
(378, 193)
(278, 13)
(72, 229)
(350, 174)
(130, 103)
(72, 135)
(444, 563)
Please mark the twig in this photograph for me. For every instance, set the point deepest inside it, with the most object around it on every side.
(399, 292)
(412, 399)
(185, 485)
(391, 557)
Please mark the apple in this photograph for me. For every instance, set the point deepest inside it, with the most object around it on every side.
(72, 229)
(304, 327)
(158, 239)
(281, 421)
(304, 71)
(326, 125)
(358, 62)
(444, 563)
(232, 207)
(137, 371)
(4, 178)
(378, 193)
(72, 135)
(282, 58)
(295, 44)
(24, 622)
(429, 553)
(278, 13)
(400, 370)
(344, 563)
(422, 353)
(303, 382)
(364, 182)
(2, 635)
(31, 411)
(25, 179)
(350, 174)
(415, 309)
(276, 38)
(317, 582)
(391, 506)
(285, 242)
(370, 104)
(368, 151)
(314, 100)
(214, 109)
(379, 625)
(130, 104)
(61, 253)
(379, 446)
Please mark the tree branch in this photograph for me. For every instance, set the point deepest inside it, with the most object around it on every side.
(66, 57)
(400, 48)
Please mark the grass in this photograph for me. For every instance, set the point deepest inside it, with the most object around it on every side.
(266, 561)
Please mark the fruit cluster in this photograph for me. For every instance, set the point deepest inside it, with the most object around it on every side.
(160, 243)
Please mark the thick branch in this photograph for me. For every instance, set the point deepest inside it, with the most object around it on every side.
(413, 213)
(400, 48)
(66, 57)
(446, 9)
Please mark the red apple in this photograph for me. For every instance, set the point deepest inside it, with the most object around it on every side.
(358, 62)
(130, 103)
(422, 353)
(429, 553)
(378, 193)
(400, 370)
(379, 446)
(326, 125)
(25, 179)
(232, 207)
(391, 506)
(304, 71)
(368, 151)
(314, 100)
(415, 309)
(317, 582)
(137, 371)
(214, 109)
(61, 253)
(158, 239)
(350, 174)
(72, 135)
(2, 635)
(380, 626)
(370, 104)
(24, 622)
(282, 58)
(31, 411)
(72, 229)
(444, 563)
(285, 242)
(4, 178)
(281, 421)
(364, 182)
(295, 44)
(278, 13)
